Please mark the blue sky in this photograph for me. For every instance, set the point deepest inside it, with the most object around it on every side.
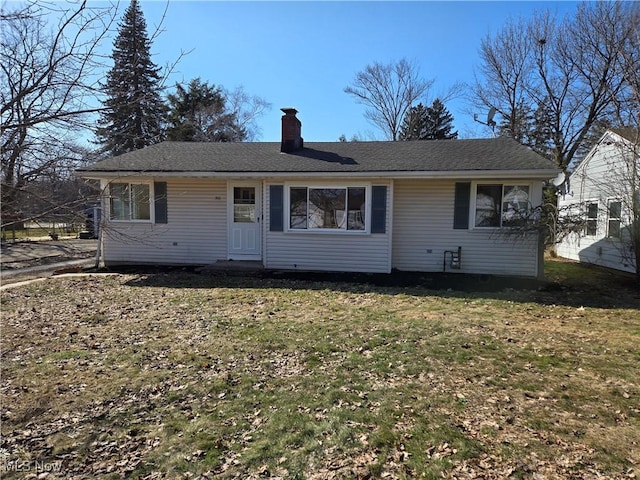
(303, 54)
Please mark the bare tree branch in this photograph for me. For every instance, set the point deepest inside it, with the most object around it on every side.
(570, 70)
(246, 109)
(48, 80)
(388, 91)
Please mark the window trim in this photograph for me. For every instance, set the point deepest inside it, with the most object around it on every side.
(618, 219)
(327, 231)
(587, 218)
(152, 210)
(474, 198)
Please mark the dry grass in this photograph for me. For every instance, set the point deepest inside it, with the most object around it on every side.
(181, 375)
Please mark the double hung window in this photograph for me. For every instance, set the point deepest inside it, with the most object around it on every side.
(591, 223)
(327, 208)
(615, 214)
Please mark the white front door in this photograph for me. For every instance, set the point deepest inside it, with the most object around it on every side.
(245, 214)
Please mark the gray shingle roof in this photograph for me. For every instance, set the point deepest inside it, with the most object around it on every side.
(498, 154)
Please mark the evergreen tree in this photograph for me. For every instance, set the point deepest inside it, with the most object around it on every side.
(440, 122)
(199, 113)
(415, 124)
(134, 113)
(518, 125)
(541, 137)
(428, 123)
(532, 128)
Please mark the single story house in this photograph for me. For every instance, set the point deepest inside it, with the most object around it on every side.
(331, 206)
(601, 190)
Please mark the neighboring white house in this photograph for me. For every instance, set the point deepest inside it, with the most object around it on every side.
(602, 189)
(334, 206)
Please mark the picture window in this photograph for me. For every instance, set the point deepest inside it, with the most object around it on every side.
(327, 208)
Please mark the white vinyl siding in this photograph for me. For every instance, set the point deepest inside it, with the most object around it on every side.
(196, 232)
(600, 179)
(423, 231)
(419, 228)
(598, 249)
(295, 250)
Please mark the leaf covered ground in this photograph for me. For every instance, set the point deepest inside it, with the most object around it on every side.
(179, 375)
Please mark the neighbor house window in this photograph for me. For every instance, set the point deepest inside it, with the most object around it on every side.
(615, 213)
(327, 208)
(130, 201)
(591, 227)
(501, 205)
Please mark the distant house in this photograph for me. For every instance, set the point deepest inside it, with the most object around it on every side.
(338, 206)
(602, 189)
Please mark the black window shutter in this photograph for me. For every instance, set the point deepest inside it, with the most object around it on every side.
(276, 210)
(461, 206)
(160, 201)
(378, 209)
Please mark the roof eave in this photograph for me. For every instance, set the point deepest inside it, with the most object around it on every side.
(414, 174)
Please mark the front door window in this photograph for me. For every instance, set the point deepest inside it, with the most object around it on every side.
(244, 204)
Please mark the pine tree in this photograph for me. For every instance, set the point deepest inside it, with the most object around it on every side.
(440, 122)
(415, 124)
(519, 125)
(199, 113)
(134, 113)
(532, 128)
(541, 138)
(428, 123)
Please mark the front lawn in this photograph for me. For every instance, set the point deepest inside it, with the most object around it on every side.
(183, 375)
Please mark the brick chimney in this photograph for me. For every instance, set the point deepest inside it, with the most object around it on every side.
(291, 130)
